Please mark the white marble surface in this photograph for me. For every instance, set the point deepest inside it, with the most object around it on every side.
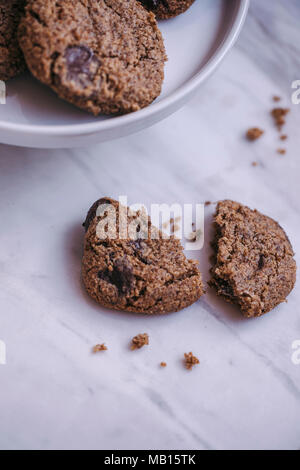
(246, 393)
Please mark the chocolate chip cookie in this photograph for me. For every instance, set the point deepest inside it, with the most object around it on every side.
(11, 57)
(165, 9)
(137, 270)
(104, 56)
(254, 266)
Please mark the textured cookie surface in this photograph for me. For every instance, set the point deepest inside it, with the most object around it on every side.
(254, 265)
(165, 9)
(104, 56)
(138, 275)
(11, 57)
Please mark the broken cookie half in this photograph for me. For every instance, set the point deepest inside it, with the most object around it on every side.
(253, 262)
(129, 265)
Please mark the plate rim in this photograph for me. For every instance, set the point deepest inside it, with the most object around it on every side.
(82, 129)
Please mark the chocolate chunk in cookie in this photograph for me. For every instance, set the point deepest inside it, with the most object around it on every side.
(123, 271)
(165, 9)
(104, 56)
(11, 57)
(254, 266)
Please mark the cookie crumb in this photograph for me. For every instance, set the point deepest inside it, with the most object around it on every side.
(254, 164)
(276, 98)
(163, 364)
(279, 116)
(254, 133)
(99, 347)
(168, 223)
(283, 137)
(194, 236)
(207, 203)
(174, 227)
(190, 360)
(281, 151)
(139, 341)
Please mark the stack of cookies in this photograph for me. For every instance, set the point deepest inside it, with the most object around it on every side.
(103, 56)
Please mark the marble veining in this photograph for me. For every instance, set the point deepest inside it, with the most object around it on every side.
(245, 394)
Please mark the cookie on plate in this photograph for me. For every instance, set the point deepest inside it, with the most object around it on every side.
(165, 9)
(254, 266)
(104, 56)
(148, 274)
(11, 57)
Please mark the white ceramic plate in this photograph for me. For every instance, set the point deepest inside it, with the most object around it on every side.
(196, 42)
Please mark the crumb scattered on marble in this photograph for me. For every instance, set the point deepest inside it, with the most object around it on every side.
(190, 360)
(174, 227)
(170, 222)
(276, 98)
(99, 347)
(283, 137)
(207, 203)
(281, 151)
(139, 341)
(254, 133)
(254, 164)
(163, 364)
(194, 235)
(279, 116)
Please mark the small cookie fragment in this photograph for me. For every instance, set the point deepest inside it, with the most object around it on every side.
(12, 62)
(172, 225)
(254, 133)
(253, 259)
(164, 9)
(276, 98)
(163, 364)
(139, 341)
(190, 360)
(99, 347)
(194, 236)
(279, 115)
